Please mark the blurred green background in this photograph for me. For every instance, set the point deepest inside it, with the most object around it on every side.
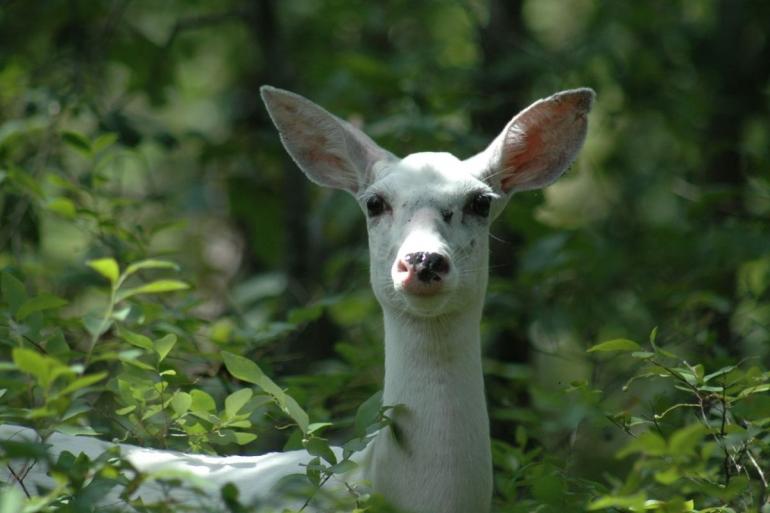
(134, 128)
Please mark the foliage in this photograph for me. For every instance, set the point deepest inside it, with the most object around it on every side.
(168, 279)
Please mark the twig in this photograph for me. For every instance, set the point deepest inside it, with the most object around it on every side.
(20, 480)
(760, 473)
(320, 485)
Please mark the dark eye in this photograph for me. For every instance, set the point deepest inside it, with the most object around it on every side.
(376, 205)
(479, 205)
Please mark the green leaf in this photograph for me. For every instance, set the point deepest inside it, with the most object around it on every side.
(39, 303)
(164, 345)
(11, 500)
(150, 263)
(235, 401)
(368, 413)
(95, 325)
(121, 314)
(244, 438)
(155, 287)
(104, 141)
(317, 427)
(720, 372)
(668, 476)
(77, 141)
(764, 387)
(313, 471)
(125, 410)
(320, 447)
(139, 364)
(71, 430)
(62, 206)
(649, 443)
(136, 339)
(292, 408)
(107, 267)
(633, 502)
(14, 291)
(26, 181)
(306, 314)
(248, 371)
(618, 344)
(83, 382)
(181, 402)
(201, 401)
(243, 368)
(44, 368)
(685, 440)
(344, 466)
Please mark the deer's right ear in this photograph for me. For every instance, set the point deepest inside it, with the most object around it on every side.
(330, 151)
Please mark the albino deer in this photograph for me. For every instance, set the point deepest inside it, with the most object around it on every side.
(428, 218)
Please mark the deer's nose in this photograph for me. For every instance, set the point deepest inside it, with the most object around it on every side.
(428, 267)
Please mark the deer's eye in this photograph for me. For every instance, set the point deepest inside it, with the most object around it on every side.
(376, 205)
(479, 205)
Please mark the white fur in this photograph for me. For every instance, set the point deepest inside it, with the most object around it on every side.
(437, 458)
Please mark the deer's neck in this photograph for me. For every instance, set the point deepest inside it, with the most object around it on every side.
(436, 459)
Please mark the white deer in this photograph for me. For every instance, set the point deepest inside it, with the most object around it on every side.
(428, 218)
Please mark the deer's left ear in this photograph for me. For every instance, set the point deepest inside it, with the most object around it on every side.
(538, 144)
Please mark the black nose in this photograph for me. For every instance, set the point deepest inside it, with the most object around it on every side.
(428, 266)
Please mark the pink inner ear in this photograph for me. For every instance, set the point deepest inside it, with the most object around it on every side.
(542, 141)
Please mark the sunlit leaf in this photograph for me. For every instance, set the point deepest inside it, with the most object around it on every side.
(155, 287)
(633, 502)
(136, 339)
(246, 370)
(11, 500)
(181, 402)
(235, 401)
(685, 440)
(649, 443)
(243, 369)
(244, 438)
(125, 410)
(164, 345)
(317, 427)
(618, 344)
(107, 267)
(44, 368)
(62, 206)
(151, 263)
(83, 382)
(201, 401)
